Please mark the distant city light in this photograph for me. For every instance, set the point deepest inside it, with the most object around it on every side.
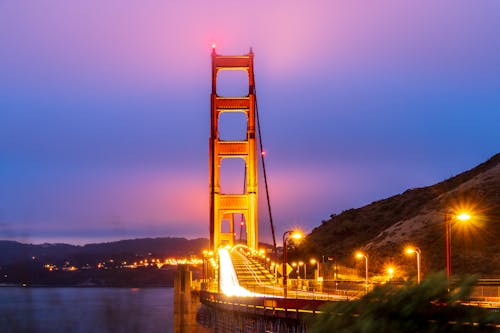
(108, 264)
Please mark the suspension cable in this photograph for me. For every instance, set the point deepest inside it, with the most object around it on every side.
(262, 153)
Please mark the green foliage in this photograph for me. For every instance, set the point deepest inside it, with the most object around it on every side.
(428, 307)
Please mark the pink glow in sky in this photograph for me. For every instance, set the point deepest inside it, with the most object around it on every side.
(104, 107)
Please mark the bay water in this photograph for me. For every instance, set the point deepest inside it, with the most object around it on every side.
(86, 310)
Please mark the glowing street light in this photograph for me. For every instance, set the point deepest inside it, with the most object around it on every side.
(314, 261)
(390, 272)
(294, 235)
(360, 255)
(462, 217)
(301, 263)
(419, 258)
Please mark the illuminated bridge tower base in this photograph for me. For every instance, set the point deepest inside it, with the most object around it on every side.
(224, 206)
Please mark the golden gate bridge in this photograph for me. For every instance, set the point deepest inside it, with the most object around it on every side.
(238, 286)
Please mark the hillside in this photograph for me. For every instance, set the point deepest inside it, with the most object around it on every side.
(102, 264)
(11, 252)
(383, 228)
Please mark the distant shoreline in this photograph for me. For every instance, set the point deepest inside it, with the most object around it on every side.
(81, 286)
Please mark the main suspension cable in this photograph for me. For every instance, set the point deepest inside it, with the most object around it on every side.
(262, 155)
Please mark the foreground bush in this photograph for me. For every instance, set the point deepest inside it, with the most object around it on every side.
(428, 307)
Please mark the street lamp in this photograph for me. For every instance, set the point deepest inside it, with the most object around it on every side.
(360, 255)
(316, 273)
(448, 219)
(294, 235)
(419, 258)
(301, 263)
(390, 273)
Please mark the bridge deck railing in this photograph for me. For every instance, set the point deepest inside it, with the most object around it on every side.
(275, 307)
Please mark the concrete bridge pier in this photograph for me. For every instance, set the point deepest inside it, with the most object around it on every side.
(185, 303)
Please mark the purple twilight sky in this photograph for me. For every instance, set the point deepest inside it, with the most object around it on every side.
(104, 107)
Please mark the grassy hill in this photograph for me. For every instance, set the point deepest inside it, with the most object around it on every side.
(383, 228)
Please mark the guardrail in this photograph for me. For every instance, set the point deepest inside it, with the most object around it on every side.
(263, 306)
(289, 309)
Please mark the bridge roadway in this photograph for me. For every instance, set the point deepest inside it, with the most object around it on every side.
(250, 277)
(253, 276)
(248, 290)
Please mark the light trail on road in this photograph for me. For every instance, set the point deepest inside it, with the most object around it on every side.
(229, 284)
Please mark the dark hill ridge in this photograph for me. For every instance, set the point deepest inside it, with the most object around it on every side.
(94, 264)
(11, 251)
(416, 217)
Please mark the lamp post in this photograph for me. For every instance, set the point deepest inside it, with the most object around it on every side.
(294, 235)
(316, 273)
(360, 255)
(448, 219)
(419, 258)
(390, 273)
(301, 263)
